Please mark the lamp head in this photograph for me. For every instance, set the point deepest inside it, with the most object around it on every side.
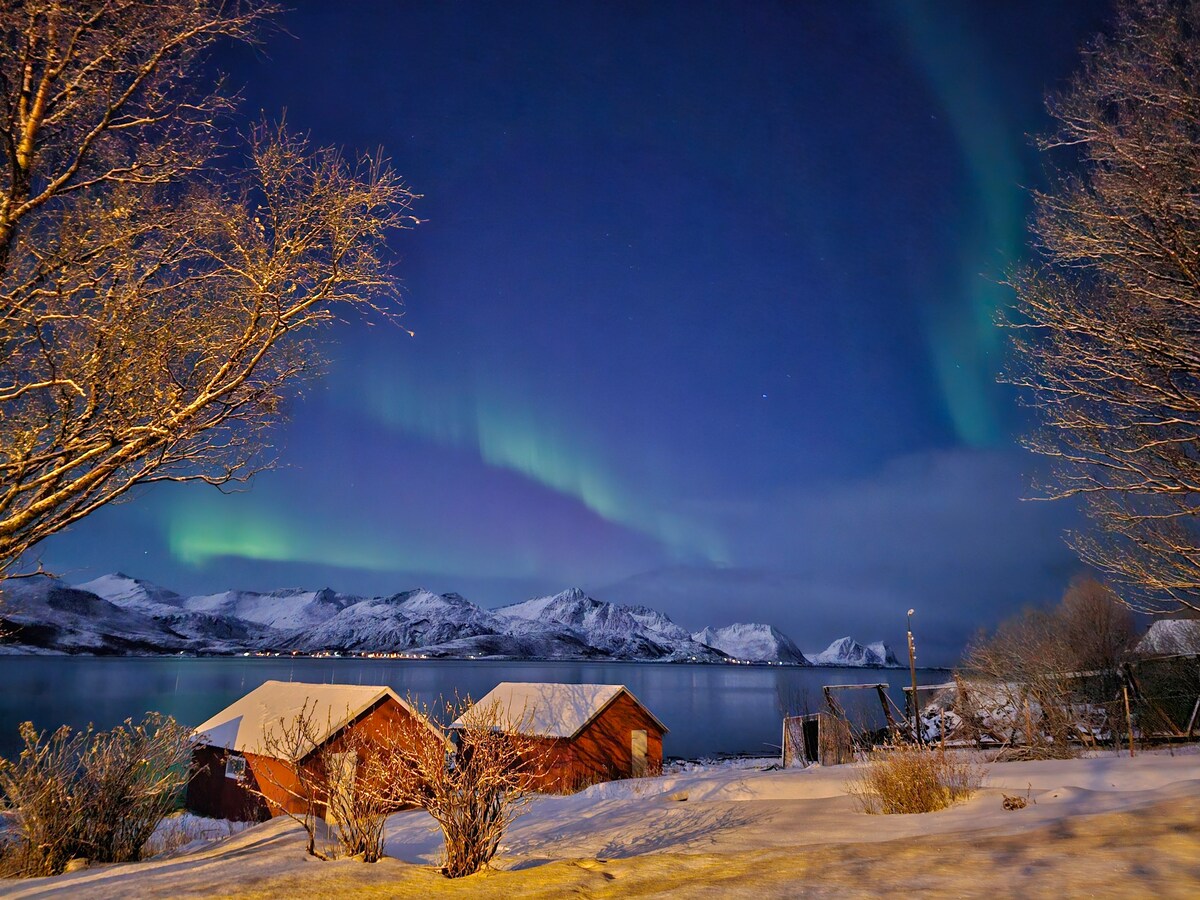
(911, 611)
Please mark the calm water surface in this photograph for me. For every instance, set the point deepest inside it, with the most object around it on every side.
(709, 709)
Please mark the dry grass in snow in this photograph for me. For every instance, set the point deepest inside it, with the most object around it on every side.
(907, 779)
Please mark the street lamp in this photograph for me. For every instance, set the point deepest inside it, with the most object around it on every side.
(912, 668)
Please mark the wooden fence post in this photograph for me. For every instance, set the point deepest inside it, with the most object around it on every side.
(1128, 716)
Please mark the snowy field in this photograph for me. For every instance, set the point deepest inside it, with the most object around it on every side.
(1105, 826)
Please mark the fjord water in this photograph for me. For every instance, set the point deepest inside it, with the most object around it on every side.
(709, 709)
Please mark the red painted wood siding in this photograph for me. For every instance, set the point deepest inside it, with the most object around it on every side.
(210, 793)
(603, 750)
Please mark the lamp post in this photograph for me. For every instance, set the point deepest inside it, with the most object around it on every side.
(912, 668)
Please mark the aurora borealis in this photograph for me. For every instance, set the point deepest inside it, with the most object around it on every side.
(702, 317)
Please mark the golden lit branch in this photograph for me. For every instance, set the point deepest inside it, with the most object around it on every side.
(1107, 323)
(154, 309)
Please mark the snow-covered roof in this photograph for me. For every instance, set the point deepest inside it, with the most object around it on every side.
(245, 724)
(545, 709)
(1171, 636)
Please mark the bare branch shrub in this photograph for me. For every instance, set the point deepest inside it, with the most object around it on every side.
(328, 783)
(1023, 689)
(301, 785)
(358, 802)
(909, 778)
(131, 777)
(1106, 319)
(1047, 680)
(44, 826)
(158, 295)
(474, 795)
(98, 795)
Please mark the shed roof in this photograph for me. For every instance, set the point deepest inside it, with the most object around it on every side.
(245, 724)
(550, 710)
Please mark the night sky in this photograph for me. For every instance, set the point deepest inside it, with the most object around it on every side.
(702, 318)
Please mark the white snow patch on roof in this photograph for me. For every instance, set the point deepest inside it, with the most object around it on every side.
(245, 725)
(1171, 636)
(546, 709)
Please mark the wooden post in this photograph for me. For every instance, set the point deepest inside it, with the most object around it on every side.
(1128, 716)
(1192, 720)
(912, 668)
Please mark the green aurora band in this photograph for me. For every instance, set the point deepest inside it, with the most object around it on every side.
(964, 341)
(508, 436)
(201, 530)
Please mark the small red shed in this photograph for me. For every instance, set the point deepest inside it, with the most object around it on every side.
(588, 732)
(230, 760)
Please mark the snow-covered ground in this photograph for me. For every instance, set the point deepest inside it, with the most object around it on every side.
(1108, 825)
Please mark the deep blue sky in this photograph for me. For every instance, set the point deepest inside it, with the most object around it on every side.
(702, 316)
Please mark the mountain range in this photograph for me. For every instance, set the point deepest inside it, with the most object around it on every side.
(117, 614)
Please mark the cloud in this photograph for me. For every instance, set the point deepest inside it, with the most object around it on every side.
(945, 532)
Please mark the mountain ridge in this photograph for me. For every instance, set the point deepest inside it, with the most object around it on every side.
(121, 614)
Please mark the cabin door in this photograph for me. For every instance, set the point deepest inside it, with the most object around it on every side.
(342, 769)
(639, 746)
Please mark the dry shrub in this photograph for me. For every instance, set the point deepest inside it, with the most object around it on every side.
(343, 781)
(474, 795)
(93, 794)
(358, 800)
(914, 779)
(1045, 680)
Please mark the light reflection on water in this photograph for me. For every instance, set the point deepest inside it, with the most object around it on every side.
(709, 709)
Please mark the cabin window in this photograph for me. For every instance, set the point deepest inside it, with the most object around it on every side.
(235, 767)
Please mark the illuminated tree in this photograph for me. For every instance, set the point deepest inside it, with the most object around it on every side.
(1107, 323)
(158, 291)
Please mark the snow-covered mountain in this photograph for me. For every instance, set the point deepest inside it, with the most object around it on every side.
(286, 609)
(120, 614)
(752, 642)
(848, 652)
(405, 621)
(48, 614)
(620, 632)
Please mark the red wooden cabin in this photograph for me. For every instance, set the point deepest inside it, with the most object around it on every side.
(587, 733)
(231, 760)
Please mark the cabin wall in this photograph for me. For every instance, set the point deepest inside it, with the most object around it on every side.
(210, 793)
(602, 751)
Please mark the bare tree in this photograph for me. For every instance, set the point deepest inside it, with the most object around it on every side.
(1048, 679)
(475, 794)
(1098, 630)
(158, 292)
(1106, 322)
